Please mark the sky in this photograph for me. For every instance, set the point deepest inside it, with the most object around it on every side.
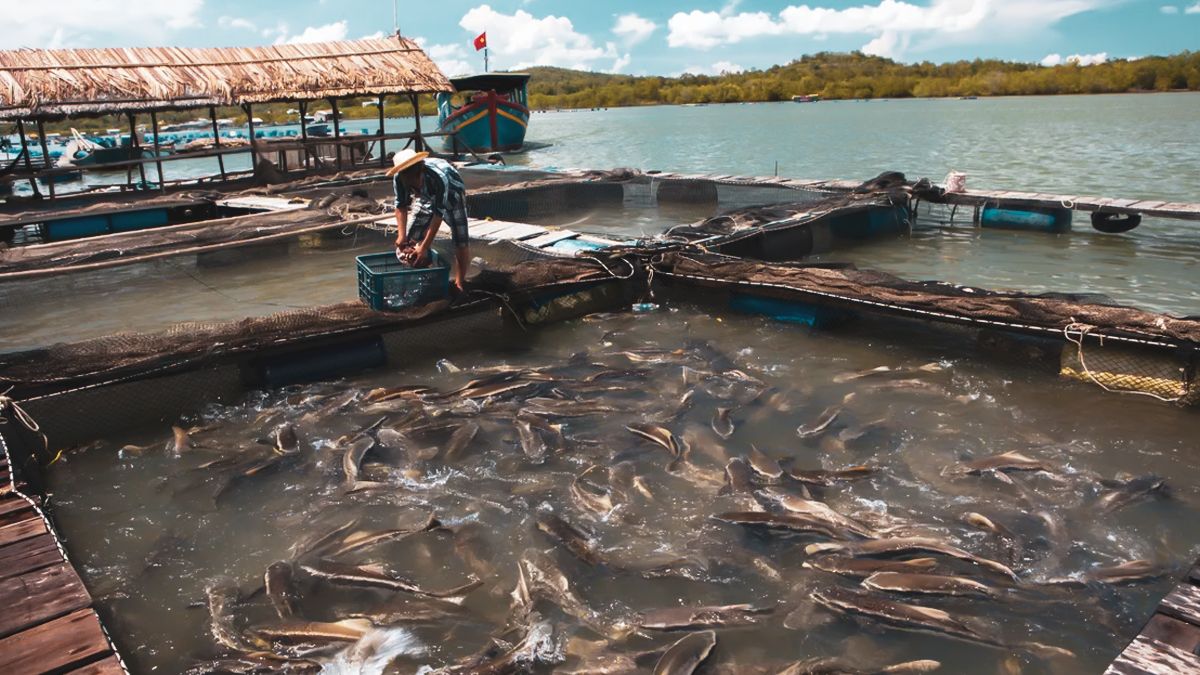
(663, 37)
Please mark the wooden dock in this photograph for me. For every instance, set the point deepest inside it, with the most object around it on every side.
(47, 624)
(1170, 640)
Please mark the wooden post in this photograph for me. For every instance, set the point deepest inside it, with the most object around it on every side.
(382, 133)
(162, 184)
(337, 134)
(212, 114)
(304, 132)
(28, 161)
(135, 141)
(45, 155)
(253, 141)
(417, 118)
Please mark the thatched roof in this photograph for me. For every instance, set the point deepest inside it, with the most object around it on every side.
(52, 83)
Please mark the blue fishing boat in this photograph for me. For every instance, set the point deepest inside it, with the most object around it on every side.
(492, 118)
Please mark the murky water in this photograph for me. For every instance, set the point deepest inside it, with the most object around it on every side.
(150, 530)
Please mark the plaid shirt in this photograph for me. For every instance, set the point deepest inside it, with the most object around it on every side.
(442, 193)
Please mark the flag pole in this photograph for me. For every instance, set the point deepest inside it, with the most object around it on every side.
(485, 59)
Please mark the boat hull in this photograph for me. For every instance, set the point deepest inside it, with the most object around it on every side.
(490, 124)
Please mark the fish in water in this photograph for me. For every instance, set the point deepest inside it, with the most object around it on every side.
(1127, 572)
(281, 588)
(222, 595)
(817, 428)
(285, 439)
(1127, 492)
(828, 478)
(865, 567)
(822, 665)
(180, 441)
(658, 435)
(721, 424)
(933, 367)
(900, 545)
(571, 537)
(686, 655)
(918, 618)
(588, 496)
(801, 524)
(360, 539)
(1003, 462)
(764, 465)
(817, 511)
(928, 584)
(459, 440)
(320, 632)
(738, 477)
(377, 576)
(532, 443)
(352, 460)
(693, 618)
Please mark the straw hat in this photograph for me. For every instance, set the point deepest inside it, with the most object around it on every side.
(404, 159)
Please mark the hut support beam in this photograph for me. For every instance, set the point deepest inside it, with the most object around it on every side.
(253, 140)
(28, 162)
(135, 142)
(337, 134)
(420, 140)
(45, 155)
(212, 114)
(162, 183)
(382, 147)
(304, 132)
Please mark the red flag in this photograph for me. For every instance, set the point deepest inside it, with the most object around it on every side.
(481, 41)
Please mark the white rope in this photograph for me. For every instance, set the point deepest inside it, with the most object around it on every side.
(1081, 330)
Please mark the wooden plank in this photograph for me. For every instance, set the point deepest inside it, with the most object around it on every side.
(1183, 603)
(1174, 632)
(551, 237)
(67, 642)
(30, 527)
(14, 510)
(109, 666)
(41, 595)
(28, 555)
(1146, 205)
(1145, 656)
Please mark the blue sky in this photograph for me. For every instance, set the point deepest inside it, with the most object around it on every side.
(639, 37)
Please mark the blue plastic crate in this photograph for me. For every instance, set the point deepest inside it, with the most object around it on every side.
(386, 283)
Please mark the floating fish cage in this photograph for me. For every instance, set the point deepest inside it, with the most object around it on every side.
(745, 247)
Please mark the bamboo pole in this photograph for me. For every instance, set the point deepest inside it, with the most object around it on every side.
(135, 142)
(45, 155)
(304, 132)
(253, 141)
(162, 184)
(337, 134)
(28, 161)
(382, 146)
(421, 145)
(212, 114)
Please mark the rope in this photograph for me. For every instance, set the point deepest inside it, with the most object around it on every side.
(1081, 330)
(26, 420)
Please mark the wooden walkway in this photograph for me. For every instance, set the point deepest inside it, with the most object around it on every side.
(47, 624)
(1170, 641)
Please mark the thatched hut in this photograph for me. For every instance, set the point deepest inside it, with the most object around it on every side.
(39, 85)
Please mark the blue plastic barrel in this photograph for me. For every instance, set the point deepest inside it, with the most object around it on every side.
(1036, 220)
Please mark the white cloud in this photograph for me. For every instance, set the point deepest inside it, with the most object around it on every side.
(373, 36)
(97, 23)
(519, 40)
(894, 25)
(228, 22)
(330, 31)
(1169, 9)
(1077, 59)
(718, 68)
(621, 63)
(1193, 9)
(451, 58)
(633, 29)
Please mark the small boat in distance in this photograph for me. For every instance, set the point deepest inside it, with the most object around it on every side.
(807, 98)
(492, 118)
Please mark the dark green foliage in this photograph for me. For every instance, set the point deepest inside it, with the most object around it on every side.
(856, 75)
